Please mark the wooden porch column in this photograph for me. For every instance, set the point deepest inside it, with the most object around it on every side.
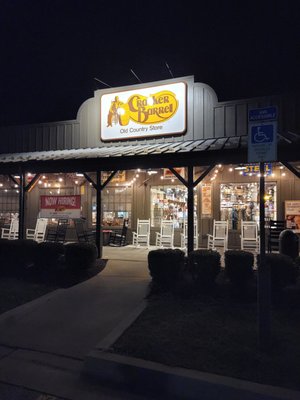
(99, 242)
(190, 208)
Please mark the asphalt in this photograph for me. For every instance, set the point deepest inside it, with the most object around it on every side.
(56, 347)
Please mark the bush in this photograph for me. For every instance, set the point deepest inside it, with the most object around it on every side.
(204, 266)
(166, 265)
(17, 256)
(49, 256)
(239, 266)
(80, 256)
(283, 270)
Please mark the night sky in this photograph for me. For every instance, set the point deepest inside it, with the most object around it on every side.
(52, 50)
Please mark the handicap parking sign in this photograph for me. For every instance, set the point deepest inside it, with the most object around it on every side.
(262, 134)
(262, 142)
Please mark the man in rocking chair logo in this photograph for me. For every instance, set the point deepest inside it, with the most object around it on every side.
(145, 112)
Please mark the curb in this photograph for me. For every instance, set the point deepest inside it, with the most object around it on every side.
(148, 377)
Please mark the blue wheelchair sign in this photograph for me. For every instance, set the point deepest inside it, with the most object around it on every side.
(262, 134)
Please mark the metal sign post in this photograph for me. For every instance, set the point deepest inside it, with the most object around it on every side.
(262, 147)
(263, 278)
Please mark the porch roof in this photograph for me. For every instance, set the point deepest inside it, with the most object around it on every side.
(145, 155)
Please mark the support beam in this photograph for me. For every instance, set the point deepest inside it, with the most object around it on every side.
(32, 183)
(109, 179)
(98, 215)
(291, 168)
(89, 179)
(190, 182)
(12, 178)
(22, 206)
(203, 175)
(179, 177)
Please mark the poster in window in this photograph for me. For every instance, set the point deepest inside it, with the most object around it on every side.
(206, 201)
(292, 214)
(168, 174)
(64, 207)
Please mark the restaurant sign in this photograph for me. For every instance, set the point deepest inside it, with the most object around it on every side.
(146, 112)
(60, 206)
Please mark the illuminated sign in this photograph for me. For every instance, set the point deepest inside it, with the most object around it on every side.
(253, 169)
(140, 113)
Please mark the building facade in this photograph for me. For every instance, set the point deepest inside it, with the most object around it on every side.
(138, 133)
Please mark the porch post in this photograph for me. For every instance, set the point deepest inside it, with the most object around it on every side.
(22, 205)
(190, 219)
(98, 214)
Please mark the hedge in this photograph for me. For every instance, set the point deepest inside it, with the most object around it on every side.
(79, 256)
(239, 266)
(166, 265)
(204, 266)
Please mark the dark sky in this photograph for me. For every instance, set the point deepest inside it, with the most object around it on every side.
(52, 50)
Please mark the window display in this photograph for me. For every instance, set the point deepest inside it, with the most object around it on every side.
(169, 202)
(240, 201)
(116, 205)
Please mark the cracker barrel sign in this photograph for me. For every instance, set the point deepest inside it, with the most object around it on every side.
(60, 206)
(146, 112)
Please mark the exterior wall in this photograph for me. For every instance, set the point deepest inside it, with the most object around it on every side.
(207, 118)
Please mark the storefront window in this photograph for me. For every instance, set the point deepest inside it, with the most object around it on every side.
(116, 205)
(9, 205)
(169, 202)
(240, 201)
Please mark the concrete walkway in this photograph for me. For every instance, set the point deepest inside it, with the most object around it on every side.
(72, 321)
(43, 343)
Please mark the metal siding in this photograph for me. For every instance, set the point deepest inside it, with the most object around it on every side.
(219, 116)
(241, 119)
(32, 139)
(198, 113)
(60, 137)
(52, 137)
(46, 137)
(230, 121)
(208, 109)
(68, 136)
(39, 138)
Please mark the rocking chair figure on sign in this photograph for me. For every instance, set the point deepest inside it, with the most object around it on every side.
(219, 238)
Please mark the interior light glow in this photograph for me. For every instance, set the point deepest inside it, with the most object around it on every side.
(230, 169)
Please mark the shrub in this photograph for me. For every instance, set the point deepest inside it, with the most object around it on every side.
(239, 266)
(17, 255)
(204, 266)
(165, 265)
(49, 256)
(80, 256)
(283, 270)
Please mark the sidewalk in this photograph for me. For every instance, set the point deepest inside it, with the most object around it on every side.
(43, 343)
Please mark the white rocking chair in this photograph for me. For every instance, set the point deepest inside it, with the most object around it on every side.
(38, 234)
(165, 238)
(249, 236)
(12, 232)
(184, 235)
(142, 235)
(219, 238)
